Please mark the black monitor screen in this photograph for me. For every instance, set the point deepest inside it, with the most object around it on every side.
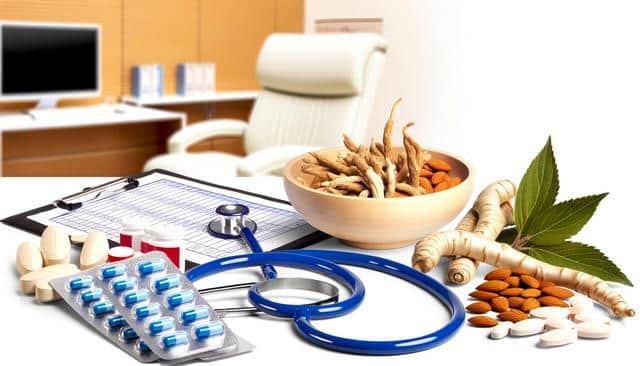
(48, 59)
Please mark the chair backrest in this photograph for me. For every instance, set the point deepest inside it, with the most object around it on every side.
(316, 86)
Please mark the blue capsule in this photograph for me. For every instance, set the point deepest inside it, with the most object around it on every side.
(116, 321)
(113, 270)
(80, 283)
(129, 334)
(135, 297)
(160, 325)
(90, 295)
(147, 310)
(102, 308)
(182, 297)
(168, 282)
(143, 348)
(174, 339)
(209, 330)
(149, 267)
(123, 285)
(197, 313)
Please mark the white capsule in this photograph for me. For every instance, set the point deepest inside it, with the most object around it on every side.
(527, 327)
(591, 316)
(593, 329)
(28, 258)
(558, 337)
(501, 330)
(94, 250)
(44, 291)
(28, 281)
(547, 312)
(55, 245)
(559, 323)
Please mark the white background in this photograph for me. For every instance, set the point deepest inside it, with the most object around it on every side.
(44, 333)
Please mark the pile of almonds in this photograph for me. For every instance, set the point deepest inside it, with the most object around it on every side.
(513, 293)
(526, 306)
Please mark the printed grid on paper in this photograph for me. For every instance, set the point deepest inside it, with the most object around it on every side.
(188, 207)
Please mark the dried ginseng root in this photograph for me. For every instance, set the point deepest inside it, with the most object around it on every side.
(372, 170)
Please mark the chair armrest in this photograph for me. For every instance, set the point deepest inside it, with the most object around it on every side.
(271, 160)
(181, 140)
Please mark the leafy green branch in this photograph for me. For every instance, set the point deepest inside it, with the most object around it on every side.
(543, 228)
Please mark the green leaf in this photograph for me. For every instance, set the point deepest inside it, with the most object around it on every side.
(562, 221)
(508, 235)
(581, 257)
(538, 188)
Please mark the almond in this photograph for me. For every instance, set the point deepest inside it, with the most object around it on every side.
(544, 284)
(426, 173)
(516, 301)
(500, 304)
(529, 304)
(493, 286)
(439, 177)
(513, 291)
(479, 307)
(426, 185)
(398, 194)
(559, 292)
(531, 292)
(441, 187)
(552, 301)
(483, 295)
(482, 321)
(530, 281)
(498, 274)
(519, 271)
(452, 182)
(438, 164)
(512, 316)
(513, 281)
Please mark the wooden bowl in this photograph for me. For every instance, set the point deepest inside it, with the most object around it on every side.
(378, 223)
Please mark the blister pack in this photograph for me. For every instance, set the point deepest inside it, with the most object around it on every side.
(146, 306)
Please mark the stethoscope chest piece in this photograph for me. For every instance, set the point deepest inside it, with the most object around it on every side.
(231, 219)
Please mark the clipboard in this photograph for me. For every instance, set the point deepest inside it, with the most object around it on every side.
(24, 221)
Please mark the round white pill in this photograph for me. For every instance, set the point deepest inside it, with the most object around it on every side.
(593, 329)
(580, 304)
(591, 316)
(547, 312)
(501, 330)
(558, 337)
(559, 323)
(527, 327)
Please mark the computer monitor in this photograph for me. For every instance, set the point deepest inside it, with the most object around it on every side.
(49, 61)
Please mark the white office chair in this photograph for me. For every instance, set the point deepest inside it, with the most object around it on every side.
(315, 88)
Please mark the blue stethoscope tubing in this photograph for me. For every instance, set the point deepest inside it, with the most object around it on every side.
(326, 262)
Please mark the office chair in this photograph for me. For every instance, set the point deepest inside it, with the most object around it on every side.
(315, 87)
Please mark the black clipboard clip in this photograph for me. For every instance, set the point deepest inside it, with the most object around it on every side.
(75, 201)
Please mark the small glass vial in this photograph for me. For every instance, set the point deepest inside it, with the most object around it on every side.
(165, 238)
(132, 232)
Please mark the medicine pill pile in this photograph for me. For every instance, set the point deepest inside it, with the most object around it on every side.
(149, 309)
(526, 307)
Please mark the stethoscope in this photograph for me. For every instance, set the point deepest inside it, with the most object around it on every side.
(232, 222)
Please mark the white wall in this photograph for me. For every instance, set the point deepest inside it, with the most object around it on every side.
(490, 80)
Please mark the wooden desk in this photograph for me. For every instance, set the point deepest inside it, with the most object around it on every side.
(101, 140)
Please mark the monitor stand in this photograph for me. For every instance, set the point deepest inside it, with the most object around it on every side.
(47, 103)
(44, 104)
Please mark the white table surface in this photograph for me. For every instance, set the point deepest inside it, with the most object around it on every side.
(40, 334)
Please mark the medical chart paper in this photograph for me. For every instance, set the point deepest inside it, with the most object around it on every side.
(163, 198)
